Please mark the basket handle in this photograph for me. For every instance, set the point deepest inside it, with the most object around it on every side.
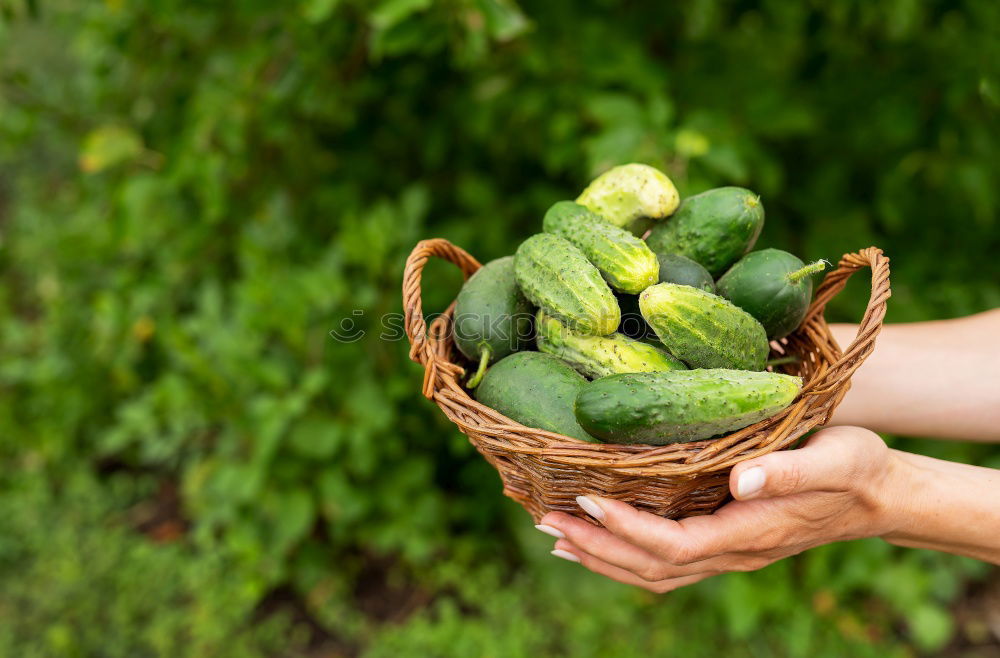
(421, 348)
(874, 315)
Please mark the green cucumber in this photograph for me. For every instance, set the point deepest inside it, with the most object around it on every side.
(557, 277)
(704, 330)
(773, 286)
(714, 228)
(627, 194)
(492, 317)
(624, 260)
(537, 390)
(599, 356)
(657, 408)
(675, 268)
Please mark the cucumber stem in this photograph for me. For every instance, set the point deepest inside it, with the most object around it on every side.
(811, 268)
(484, 358)
(781, 360)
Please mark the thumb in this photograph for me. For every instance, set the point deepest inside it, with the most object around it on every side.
(832, 459)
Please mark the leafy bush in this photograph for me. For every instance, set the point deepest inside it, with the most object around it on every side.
(194, 196)
(77, 583)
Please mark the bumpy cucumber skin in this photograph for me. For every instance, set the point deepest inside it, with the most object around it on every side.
(600, 356)
(557, 277)
(681, 405)
(675, 268)
(758, 283)
(624, 260)
(491, 313)
(631, 192)
(704, 330)
(714, 228)
(537, 390)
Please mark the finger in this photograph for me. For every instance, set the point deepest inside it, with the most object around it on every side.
(622, 576)
(600, 542)
(605, 546)
(678, 542)
(833, 459)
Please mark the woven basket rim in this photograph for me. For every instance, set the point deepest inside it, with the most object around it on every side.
(826, 371)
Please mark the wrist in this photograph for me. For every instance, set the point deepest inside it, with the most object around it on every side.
(921, 502)
(945, 506)
(891, 496)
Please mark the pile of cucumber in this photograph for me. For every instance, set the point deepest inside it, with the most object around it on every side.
(653, 341)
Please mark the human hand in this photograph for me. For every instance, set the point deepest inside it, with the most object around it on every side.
(840, 485)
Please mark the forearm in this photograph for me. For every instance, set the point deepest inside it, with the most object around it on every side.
(935, 379)
(943, 506)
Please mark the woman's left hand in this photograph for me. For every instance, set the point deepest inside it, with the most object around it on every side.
(841, 485)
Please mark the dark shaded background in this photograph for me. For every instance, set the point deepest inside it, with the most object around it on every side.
(193, 196)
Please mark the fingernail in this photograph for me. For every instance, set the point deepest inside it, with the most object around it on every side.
(566, 555)
(751, 481)
(549, 530)
(590, 507)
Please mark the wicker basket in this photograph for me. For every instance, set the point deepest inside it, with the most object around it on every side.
(545, 471)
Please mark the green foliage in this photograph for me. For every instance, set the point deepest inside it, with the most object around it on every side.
(819, 605)
(78, 583)
(192, 196)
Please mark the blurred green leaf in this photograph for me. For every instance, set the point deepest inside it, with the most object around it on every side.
(108, 146)
(389, 13)
(291, 514)
(315, 436)
(317, 11)
(504, 18)
(931, 626)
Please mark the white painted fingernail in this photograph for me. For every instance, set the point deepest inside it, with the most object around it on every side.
(549, 530)
(590, 507)
(566, 555)
(751, 481)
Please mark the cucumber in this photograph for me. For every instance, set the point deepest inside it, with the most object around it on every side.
(714, 228)
(773, 286)
(627, 193)
(599, 356)
(624, 260)
(536, 390)
(704, 330)
(658, 408)
(492, 316)
(675, 268)
(557, 277)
